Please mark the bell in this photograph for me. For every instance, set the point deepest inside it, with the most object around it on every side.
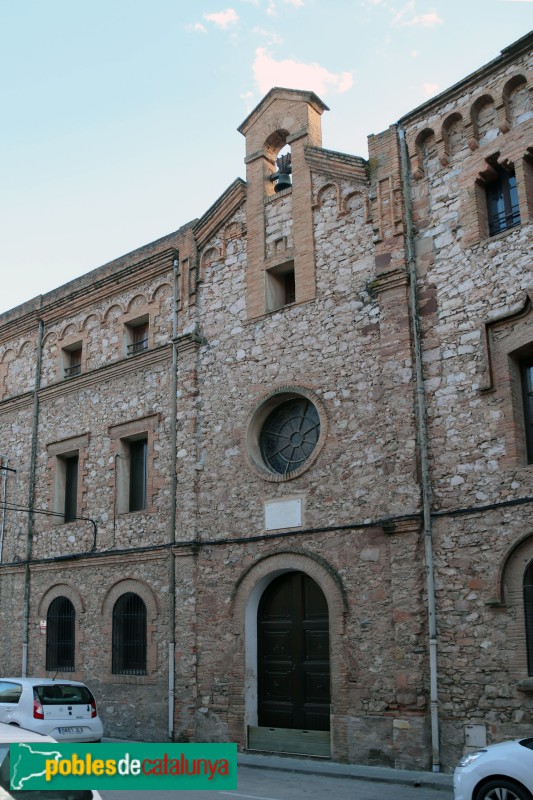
(283, 182)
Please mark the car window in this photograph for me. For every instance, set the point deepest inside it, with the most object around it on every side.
(61, 693)
(54, 794)
(10, 692)
(527, 743)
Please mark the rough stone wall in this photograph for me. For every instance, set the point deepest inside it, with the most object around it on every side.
(472, 291)
(347, 343)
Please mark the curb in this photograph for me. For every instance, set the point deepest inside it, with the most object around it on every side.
(331, 769)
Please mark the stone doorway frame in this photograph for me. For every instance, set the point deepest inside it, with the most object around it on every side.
(245, 603)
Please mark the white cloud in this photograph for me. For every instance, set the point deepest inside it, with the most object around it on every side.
(271, 8)
(222, 18)
(196, 28)
(271, 36)
(430, 89)
(407, 17)
(295, 75)
(296, 3)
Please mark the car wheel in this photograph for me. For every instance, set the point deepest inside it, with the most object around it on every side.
(502, 789)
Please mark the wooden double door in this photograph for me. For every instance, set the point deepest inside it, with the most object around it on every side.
(293, 655)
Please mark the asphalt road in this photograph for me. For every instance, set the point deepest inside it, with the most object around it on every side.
(269, 784)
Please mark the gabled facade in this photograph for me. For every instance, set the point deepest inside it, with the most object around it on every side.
(273, 471)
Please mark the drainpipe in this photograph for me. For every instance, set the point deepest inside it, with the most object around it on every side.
(31, 498)
(421, 423)
(4, 469)
(173, 500)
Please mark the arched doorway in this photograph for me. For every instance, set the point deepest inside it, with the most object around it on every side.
(293, 671)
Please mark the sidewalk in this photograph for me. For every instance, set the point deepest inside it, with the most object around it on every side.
(322, 766)
(403, 777)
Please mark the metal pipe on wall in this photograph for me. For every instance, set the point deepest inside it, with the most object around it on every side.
(31, 497)
(421, 422)
(173, 501)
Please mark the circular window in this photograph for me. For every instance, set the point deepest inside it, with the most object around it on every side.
(286, 433)
(289, 435)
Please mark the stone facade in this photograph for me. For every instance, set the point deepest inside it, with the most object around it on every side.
(405, 334)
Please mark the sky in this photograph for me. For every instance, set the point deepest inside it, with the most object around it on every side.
(120, 117)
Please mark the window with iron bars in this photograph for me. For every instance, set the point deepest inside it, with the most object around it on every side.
(138, 338)
(502, 201)
(129, 635)
(73, 365)
(60, 635)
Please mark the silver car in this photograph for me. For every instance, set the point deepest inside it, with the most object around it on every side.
(65, 710)
(12, 735)
(498, 772)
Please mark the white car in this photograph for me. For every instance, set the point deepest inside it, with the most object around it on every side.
(10, 734)
(498, 772)
(65, 710)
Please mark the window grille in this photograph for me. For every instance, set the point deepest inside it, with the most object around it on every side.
(289, 436)
(60, 635)
(139, 341)
(129, 635)
(74, 367)
(502, 202)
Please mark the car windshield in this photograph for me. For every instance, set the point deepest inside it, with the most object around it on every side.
(55, 794)
(61, 693)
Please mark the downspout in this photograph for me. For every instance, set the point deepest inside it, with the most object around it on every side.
(31, 498)
(422, 435)
(173, 500)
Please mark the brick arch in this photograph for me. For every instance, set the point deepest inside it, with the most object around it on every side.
(145, 592)
(137, 301)
(517, 100)
(130, 585)
(244, 606)
(484, 119)
(509, 594)
(328, 188)
(453, 134)
(161, 293)
(61, 590)
(115, 309)
(78, 601)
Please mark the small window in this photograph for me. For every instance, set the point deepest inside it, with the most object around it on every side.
(10, 692)
(502, 201)
(527, 389)
(528, 613)
(66, 485)
(138, 452)
(129, 635)
(136, 336)
(71, 464)
(280, 286)
(72, 361)
(60, 627)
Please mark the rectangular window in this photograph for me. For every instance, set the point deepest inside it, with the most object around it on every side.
(527, 389)
(502, 202)
(71, 487)
(280, 286)
(138, 463)
(72, 361)
(136, 336)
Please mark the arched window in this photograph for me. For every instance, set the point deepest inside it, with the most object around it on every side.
(129, 635)
(528, 615)
(60, 635)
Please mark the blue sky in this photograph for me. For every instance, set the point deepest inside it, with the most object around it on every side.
(120, 117)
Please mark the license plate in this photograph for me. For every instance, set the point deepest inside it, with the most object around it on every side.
(77, 731)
